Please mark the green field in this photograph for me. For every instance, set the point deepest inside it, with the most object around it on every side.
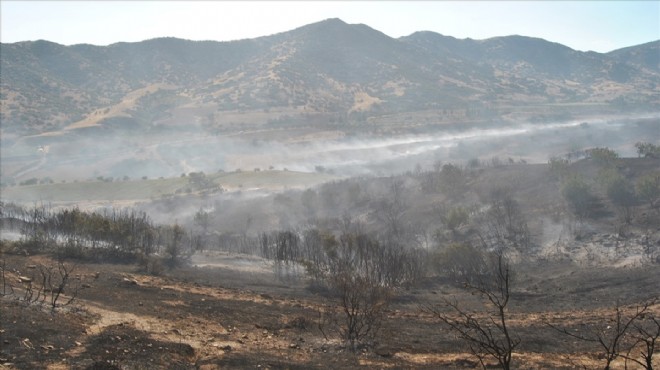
(156, 188)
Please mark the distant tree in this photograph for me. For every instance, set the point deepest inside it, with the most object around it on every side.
(32, 181)
(175, 250)
(647, 150)
(287, 252)
(558, 167)
(474, 163)
(390, 209)
(460, 262)
(203, 220)
(309, 201)
(603, 156)
(579, 196)
(452, 180)
(200, 181)
(648, 188)
(454, 218)
(503, 225)
(620, 192)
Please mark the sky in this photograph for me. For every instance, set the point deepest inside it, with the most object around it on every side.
(600, 26)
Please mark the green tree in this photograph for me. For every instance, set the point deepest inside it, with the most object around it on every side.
(646, 150)
(452, 180)
(558, 167)
(620, 192)
(203, 220)
(648, 188)
(453, 218)
(174, 247)
(603, 156)
(579, 196)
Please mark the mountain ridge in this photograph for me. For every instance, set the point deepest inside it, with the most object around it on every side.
(331, 68)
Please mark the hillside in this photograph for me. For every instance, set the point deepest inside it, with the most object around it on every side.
(238, 304)
(330, 70)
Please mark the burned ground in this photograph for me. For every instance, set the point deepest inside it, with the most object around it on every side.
(191, 319)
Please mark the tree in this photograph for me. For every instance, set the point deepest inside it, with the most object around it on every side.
(363, 302)
(203, 220)
(603, 156)
(174, 248)
(620, 192)
(610, 336)
(355, 280)
(558, 167)
(460, 262)
(452, 180)
(647, 150)
(309, 201)
(503, 225)
(578, 195)
(648, 188)
(390, 210)
(489, 336)
(49, 282)
(645, 334)
(287, 252)
(454, 218)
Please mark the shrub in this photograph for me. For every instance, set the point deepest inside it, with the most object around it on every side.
(579, 196)
(603, 156)
(648, 188)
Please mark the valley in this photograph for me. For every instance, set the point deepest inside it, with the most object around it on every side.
(329, 197)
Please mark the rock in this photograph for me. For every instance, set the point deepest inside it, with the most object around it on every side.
(129, 281)
(383, 351)
(294, 346)
(464, 363)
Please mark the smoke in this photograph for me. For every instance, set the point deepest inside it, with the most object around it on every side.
(154, 154)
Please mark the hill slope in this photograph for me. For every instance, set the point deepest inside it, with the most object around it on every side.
(333, 69)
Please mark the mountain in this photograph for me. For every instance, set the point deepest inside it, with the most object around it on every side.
(330, 69)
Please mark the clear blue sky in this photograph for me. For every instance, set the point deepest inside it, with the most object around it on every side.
(582, 25)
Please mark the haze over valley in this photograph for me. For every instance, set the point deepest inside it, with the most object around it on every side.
(329, 196)
(335, 95)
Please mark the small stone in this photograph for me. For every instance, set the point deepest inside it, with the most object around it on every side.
(383, 352)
